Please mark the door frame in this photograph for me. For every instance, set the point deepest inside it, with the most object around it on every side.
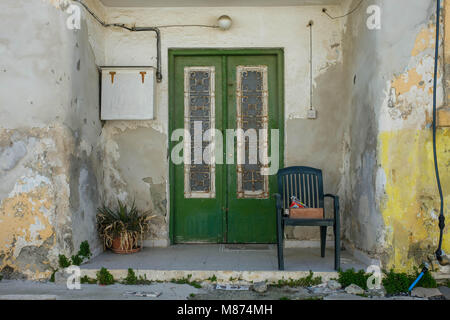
(173, 53)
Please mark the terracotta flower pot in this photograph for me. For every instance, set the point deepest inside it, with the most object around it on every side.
(116, 248)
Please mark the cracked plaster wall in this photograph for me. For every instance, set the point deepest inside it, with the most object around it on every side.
(49, 128)
(393, 195)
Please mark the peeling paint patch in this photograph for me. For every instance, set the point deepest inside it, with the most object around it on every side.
(34, 206)
(406, 81)
(25, 219)
(413, 90)
(424, 40)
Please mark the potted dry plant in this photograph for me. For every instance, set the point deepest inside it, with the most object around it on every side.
(122, 228)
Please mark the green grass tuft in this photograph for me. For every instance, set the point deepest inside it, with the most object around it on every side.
(188, 281)
(76, 260)
(307, 281)
(396, 283)
(213, 278)
(85, 251)
(87, 280)
(351, 276)
(63, 261)
(132, 279)
(105, 277)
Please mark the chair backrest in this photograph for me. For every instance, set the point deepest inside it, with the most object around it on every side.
(303, 182)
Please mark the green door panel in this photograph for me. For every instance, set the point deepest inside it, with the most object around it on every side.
(197, 220)
(251, 220)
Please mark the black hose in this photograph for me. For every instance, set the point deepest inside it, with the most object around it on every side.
(436, 165)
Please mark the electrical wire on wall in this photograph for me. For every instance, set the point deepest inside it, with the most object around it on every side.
(310, 26)
(141, 29)
(324, 10)
(132, 29)
(187, 25)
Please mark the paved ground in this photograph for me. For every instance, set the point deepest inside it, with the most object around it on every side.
(223, 257)
(27, 290)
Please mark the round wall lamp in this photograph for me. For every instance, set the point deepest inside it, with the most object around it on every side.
(224, 22)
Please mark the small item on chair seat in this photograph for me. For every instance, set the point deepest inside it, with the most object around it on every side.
(296, 203)
(306, 213)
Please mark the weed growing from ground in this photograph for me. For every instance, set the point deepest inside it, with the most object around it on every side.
(85, 251)
(188, 281)
(132, 279)
(63, 261)
(396, 283)
(105, 277)
(351, 276)
(307, 281)
(213, 278)
(76, 260)
(87, 280)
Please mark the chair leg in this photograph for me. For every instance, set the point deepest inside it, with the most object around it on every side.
(323, 240)
(337, 247)
(280, 244)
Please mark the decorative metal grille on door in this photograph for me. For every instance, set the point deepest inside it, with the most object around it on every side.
(199, 117)
(252, 113)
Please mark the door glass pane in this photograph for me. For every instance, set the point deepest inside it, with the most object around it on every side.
(252, 125)
(199, 109)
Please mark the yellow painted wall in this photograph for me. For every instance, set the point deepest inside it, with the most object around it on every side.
(411, 205)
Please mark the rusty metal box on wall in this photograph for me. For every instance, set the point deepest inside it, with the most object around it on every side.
(127, 93)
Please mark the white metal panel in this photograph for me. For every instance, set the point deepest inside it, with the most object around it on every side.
(128, 93)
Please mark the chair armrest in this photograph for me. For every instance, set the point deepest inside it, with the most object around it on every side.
(335, 204)
(279, 203)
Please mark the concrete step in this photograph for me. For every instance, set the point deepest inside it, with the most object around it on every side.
(223, 276)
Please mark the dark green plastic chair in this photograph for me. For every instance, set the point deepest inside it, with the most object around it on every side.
(307, 185)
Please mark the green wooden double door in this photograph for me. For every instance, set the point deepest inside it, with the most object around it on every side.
(221, 192)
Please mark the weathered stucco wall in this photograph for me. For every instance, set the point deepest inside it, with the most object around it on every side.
(136, 152)
(49, 130)
(394, 194)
